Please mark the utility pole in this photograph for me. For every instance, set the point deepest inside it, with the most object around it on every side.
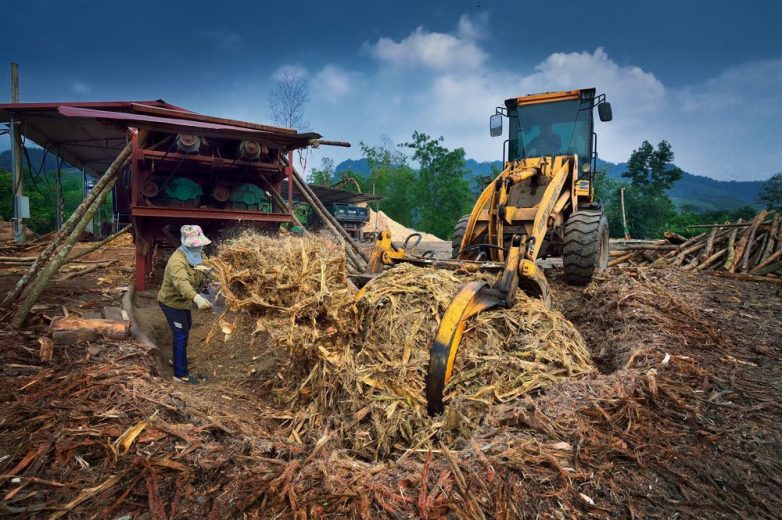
(21, 206)
(60, 205)
(624, 217)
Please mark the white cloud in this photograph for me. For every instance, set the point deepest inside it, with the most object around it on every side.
(473, 27)
(290, 70)
(728, 127)
(433, 50)
(725, 127)
(79, 87)
(333, 82)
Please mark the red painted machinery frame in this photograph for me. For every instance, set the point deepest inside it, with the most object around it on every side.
(149, 220)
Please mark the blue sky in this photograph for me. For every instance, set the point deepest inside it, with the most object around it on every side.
(707, 76)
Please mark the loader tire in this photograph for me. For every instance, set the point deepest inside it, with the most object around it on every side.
(585, 249)
(458, 234)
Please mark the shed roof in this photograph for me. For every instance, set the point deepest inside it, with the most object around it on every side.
(91, 134)
(329, 195)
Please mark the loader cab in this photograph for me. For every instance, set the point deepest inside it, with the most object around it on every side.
(552, 124)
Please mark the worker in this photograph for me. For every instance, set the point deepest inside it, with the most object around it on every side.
(547, 143)
(185, 271)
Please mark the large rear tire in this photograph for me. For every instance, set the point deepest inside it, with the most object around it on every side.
(458, 235)
(585, 249)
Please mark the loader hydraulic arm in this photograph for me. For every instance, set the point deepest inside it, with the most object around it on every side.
(472, 299)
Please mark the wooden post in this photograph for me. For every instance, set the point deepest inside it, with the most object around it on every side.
(60, 211)
(42, 279)
(73, 221)
(624, 217)
(17, 223)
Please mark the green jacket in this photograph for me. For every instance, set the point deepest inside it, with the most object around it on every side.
(179, 282)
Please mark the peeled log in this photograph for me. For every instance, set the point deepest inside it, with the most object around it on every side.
(619, 259)
(110, 329)
(73, 336)
(709, 261)
(770, 260)
(771, 242)
(746, 237)
(731, 249)
(709, 249)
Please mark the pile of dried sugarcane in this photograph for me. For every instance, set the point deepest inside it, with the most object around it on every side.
(744, 250)
(336, 352)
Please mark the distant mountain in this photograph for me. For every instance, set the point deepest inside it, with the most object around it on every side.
(36, 156)
(36, 159)
(357, 166)
(703, 193)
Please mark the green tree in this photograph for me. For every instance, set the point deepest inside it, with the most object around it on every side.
(323, 176)
(391, 178)
(607, 192)
(648, 214)
(43, 198)
(651, 174)
(652, 170)
(771, 193)
(442, 191)
(731, 215)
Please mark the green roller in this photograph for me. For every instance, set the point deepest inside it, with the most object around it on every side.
(183, 189)
(248, 196)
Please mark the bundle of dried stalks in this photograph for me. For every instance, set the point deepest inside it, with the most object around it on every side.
(295, 287)
(373, 372)
(505, 353)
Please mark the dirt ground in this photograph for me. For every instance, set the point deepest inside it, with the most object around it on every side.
(681, 421)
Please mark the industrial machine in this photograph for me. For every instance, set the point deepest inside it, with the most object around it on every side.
(542, 204)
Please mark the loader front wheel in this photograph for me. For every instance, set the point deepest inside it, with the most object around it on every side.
(585, 249)
(458, 234)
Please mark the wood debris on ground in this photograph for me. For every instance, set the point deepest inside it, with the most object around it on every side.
(680, 418)
(743, 250)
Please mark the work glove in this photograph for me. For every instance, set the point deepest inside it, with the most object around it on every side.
(201, 302)
(203, 268)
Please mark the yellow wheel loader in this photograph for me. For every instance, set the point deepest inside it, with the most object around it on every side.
(541, 205)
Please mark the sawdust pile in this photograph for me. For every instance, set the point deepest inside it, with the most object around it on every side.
(379, 221)
(357, 361)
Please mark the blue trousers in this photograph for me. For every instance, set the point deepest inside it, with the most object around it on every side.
(180, 321)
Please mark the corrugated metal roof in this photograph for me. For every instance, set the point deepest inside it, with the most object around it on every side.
(90, 134)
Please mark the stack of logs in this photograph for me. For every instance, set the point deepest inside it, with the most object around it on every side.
(744, 250)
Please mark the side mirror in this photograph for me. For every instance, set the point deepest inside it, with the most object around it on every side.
(495, 125)
(604, 111)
